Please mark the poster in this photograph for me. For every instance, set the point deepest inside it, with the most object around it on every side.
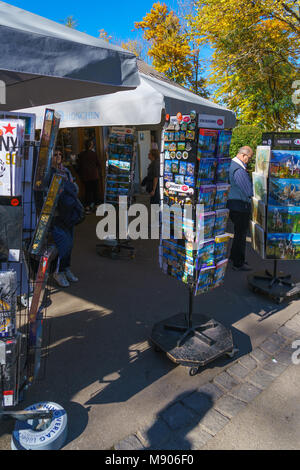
(11, 217)
(284, 192)
(11, 143)
(262, 161)
(285, 164)
(285, 246)
(258, 239)
(260, 187)
(224, 140)
(282, 219)
(259, 212)
(47, 147)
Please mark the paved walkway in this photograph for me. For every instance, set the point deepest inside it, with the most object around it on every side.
(252, 404)
(112, 383)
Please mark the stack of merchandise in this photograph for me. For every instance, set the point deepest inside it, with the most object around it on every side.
(120, 164)
(196, 172)
(283, 216)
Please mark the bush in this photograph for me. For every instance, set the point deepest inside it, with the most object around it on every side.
(246, 135)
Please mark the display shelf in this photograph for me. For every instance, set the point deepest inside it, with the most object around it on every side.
(194, 175)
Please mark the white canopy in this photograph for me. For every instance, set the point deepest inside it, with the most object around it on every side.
(142, 107)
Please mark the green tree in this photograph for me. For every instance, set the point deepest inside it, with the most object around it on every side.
(255, 58)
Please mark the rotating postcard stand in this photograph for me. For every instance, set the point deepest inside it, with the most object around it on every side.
(275, 222)
(194, 170)
(120, 168)
(25, 258)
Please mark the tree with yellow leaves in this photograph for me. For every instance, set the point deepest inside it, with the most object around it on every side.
(169, 46)
(255, 59)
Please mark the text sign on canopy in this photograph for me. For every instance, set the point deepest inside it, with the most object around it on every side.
(208, 121)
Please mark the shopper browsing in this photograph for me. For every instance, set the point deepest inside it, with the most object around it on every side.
(69, 212)
(152, 179)
(89, 171)
(239, 204)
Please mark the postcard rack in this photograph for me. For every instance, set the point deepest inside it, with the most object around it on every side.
(194, 174)
(120, 170)
(276, 213)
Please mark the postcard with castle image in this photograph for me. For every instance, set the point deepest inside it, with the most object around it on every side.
(285, 246)
(285, 164)
(282, 219)
(263, 155)
(260, 187)
(284, 192)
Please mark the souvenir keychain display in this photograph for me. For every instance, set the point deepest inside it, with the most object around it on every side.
(120, 167)
(275, 222)
(198, 258)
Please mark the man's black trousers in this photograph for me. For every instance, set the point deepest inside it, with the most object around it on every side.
(240, 222)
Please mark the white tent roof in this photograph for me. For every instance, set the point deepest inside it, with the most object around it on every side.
(142, 107)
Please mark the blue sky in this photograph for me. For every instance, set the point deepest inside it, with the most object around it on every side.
(116, 17)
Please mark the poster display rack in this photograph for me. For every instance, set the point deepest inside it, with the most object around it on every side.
(119, 178)
(275, 225)
(26, 255)
(195, 178)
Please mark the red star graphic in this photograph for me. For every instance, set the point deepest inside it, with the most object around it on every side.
(9, 129)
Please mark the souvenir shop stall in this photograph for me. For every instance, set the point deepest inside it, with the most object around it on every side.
(31, 74)
(135, 111)
(275, 225)
(194, 175)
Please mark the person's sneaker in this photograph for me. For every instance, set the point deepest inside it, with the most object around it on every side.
(61, 279)
(70, 276)
(244, 267)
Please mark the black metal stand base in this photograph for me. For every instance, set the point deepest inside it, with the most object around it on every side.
(190, 343)
(197, 331)
(276, 285)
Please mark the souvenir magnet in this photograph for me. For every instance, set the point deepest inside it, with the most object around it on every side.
(172, 155)
(188, 146)
(183, 127)
(193, 115)
(178, 155)
(181, 146)
(179, 117)
(185, 155)
(190, 135)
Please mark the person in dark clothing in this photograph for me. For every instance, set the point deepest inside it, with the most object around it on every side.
(67, 215)
(239, 204)
(152, 178)
(89, 171)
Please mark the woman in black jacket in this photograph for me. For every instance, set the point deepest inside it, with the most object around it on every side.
(68, 213)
